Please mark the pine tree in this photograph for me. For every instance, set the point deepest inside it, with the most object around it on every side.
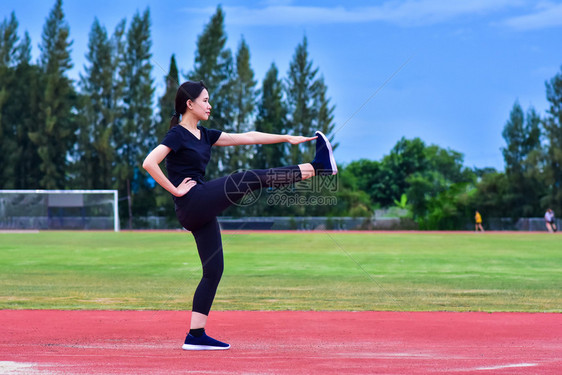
(8, 40)
(213, 62)
(533, 186)
(164, 204)
(118, 43)
(94, 152)
(167, 101)
(553, 130)
(309, 106)
(135, 133)
(271, 118)
(27, 99)
(214, 65)
(54, 134)
(20, 103)
(532, 131)
(299, 89)
(514, 136)
(522, 136)
(8, 49)
(244, 96)
(23, 52)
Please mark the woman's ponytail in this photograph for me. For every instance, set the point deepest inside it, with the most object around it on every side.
(175, 119)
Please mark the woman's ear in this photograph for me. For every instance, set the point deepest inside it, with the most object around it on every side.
(189, 104)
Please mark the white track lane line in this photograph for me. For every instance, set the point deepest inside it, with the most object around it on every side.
(499, 367)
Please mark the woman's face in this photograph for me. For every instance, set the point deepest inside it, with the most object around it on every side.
(200, 107)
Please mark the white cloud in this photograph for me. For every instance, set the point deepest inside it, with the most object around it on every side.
(547, 15)
(401, 12)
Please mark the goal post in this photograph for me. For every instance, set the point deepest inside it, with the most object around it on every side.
(59, 209)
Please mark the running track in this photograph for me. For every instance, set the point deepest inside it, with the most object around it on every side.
(269, 342)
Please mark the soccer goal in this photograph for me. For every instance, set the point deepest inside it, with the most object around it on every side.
(59, 209)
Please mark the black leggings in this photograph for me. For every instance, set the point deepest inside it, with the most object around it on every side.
(197, 212)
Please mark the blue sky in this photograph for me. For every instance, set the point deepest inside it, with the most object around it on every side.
(466, 62)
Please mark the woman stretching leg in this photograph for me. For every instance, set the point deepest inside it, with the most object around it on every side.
(187, 150)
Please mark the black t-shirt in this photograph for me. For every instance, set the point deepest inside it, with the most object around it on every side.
(189, 155)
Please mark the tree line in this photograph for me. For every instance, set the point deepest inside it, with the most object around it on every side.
(95, 132)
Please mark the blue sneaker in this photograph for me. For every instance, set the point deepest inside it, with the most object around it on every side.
(324, 163)
(203, 343)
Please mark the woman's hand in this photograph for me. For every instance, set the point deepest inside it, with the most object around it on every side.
(296, 139)
(184, 187)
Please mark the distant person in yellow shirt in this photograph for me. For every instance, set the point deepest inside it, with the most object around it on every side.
(478, 219)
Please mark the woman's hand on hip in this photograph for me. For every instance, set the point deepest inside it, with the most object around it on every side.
(184, 187)
(296, 139)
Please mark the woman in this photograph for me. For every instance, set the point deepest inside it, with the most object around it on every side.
(187, 150)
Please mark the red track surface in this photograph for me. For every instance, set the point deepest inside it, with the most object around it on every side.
(149, 342)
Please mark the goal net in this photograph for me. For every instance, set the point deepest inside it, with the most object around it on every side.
(59, 209)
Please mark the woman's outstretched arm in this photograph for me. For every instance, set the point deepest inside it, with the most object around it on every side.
(151, 164)
(258, 138)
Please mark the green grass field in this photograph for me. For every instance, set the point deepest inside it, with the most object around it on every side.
(285, 271)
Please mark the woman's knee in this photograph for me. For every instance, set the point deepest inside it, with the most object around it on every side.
(213, 271)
